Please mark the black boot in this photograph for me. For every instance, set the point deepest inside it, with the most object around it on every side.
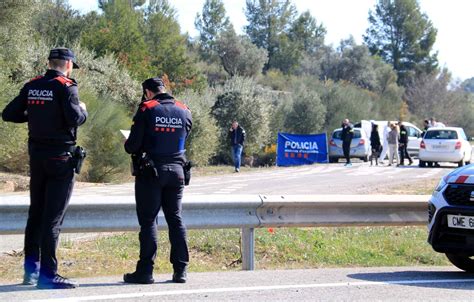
(180, 275)
(138, 278)
(57, 282)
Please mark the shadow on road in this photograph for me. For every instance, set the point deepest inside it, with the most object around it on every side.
(426, 279)
(9, 288)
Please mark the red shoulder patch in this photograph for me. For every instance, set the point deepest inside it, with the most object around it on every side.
(65, 81)
(36, 78)
(181, 105)
(149, 104)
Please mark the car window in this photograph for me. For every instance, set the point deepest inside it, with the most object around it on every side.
(337, 134)
(441, 134)
(411, 131)
(463, 135)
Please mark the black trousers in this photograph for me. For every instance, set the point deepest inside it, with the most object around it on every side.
(346, 148)
(151, 194)
(51, 184)
(404, 154)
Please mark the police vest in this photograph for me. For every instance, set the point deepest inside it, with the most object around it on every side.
(167, 124)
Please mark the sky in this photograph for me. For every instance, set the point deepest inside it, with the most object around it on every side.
(343, 18)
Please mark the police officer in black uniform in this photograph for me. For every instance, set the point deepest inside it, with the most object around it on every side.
(346, 136)
(157, 138)
(51, 107)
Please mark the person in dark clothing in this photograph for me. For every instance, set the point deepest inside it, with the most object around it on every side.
(403, 144)
(375, 144)
(157, 139)
(51, 107)
(237, 139)
(346, 137)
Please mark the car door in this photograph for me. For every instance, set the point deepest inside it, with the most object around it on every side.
(414, 140)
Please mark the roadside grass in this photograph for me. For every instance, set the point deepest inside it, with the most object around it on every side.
(219, 250)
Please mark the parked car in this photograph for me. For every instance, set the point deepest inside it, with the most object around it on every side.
(451, 217)
(360, 146)
(447, 144)
(414, 133)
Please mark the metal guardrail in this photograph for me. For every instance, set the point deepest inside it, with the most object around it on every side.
(117, 213)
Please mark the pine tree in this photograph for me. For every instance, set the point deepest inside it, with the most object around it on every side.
(403, 36)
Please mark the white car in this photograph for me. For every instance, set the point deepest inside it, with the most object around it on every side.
(447, 144)
(451, 217)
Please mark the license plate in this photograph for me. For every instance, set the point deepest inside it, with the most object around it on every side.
(440, 147)
(461, 222)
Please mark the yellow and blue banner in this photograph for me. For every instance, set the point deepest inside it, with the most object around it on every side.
(297, 149)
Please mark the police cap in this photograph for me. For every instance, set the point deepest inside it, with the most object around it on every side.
(62, 53)
(153, 84)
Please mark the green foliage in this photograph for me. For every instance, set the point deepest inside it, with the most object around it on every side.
(343, 100)
(269, 23)
(166, 46)
(110, 81)
(307, 34)
(403, 37)
(118, 31)
(13, 148)
(56, 23)
(239, 56)
(106, 158)
(306, 113)
(210, 25)
(243, 101)
(202, 143)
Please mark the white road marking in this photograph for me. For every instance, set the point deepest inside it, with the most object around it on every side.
(251, 288)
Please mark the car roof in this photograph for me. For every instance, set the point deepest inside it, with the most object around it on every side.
(444, 128)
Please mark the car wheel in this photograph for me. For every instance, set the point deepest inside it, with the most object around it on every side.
(429, 164)
(461, 163)
(333, 160)
(365, 158)
(421, 164)
(464, 262)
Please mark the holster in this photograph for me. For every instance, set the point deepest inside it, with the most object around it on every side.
(187, 172)
(142, 165)
(78, 157)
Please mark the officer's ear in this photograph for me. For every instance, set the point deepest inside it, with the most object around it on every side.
(149, 94)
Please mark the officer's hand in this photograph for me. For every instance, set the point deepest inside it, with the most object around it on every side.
(82, 105)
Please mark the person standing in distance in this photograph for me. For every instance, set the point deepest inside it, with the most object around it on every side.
(346, 137)
(237, 139)
(51, 107)
(158, 135)
(403, 145)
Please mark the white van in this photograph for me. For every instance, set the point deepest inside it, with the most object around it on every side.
(414, 134)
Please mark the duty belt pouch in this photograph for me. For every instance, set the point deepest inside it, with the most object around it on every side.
(142, 165)
(187, 172)
(78, 158)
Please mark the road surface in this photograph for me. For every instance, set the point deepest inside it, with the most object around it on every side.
(346, 284)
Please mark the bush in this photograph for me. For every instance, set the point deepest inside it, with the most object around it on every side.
(106, 159)
(13, 145)
(202, 143)
(247, 103)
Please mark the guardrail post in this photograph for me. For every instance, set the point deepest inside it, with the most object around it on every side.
(248, 249)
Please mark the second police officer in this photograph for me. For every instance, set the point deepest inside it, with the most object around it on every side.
(156, 142)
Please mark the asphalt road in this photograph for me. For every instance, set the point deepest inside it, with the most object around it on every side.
(314, 179)
(348, 284)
